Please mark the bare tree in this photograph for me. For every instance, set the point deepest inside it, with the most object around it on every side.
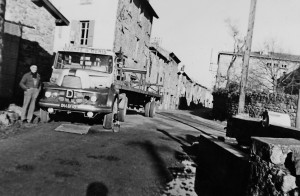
(238, 45)
(267, 68)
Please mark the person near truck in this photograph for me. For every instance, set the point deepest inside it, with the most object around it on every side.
(31, 84)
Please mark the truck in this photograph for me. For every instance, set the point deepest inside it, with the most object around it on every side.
(96, 83)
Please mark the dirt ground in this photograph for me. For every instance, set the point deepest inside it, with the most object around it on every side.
(37, 160)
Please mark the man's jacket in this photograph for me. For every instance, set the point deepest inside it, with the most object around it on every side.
(27, 81)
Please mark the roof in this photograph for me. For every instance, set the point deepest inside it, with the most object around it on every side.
(149, 7)
(164, 54)
(61, 20)
(270, 55)
(174, 57)
(190, 80)
(161, 54)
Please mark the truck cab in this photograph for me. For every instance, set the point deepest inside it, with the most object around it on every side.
(82, 81)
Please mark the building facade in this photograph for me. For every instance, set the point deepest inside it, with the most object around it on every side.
(162, 70)
(28, 39)
(118, 25)
(264, 69)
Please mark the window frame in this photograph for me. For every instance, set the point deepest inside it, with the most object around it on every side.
(84, 32)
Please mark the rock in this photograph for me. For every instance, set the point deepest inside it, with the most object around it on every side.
(3, 119)
(36, 120)
(288, 184)
(277, 156)
(14, 108)
(13, 117)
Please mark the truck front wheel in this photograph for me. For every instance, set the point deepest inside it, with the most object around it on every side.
(44, 115)
(122, 112)
(108, 121)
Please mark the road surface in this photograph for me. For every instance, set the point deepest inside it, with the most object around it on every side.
(37, 160)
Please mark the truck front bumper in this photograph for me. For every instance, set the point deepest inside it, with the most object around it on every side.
(80, 108)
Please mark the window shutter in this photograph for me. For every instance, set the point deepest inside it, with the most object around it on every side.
(91, 33)
(75, 32)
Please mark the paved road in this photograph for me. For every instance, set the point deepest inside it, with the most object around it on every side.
(133, 162)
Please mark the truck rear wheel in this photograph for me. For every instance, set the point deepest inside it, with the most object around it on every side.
(152, 110)
(44, 115)
(122, 112)
(147, 109)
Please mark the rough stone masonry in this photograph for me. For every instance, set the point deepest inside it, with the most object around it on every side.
(275, 166)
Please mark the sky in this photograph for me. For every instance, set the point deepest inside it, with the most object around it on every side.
(195, 30)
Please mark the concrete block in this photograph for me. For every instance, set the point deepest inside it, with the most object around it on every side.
(222, 168)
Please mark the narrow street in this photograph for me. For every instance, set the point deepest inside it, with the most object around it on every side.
(134, 161)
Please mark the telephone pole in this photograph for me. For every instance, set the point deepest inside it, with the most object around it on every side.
(246, 57)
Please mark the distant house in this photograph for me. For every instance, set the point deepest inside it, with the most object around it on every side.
(290, 82)
(192, 94)
(264, 69)
(119, 25)
(28, 39)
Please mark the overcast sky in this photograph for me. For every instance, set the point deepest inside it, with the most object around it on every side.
(195, 29)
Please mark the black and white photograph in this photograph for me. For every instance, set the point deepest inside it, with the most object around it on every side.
(149, 98)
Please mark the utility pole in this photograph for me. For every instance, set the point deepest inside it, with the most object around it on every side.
(247, 57)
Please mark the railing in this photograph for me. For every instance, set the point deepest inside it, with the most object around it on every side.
(136, 81)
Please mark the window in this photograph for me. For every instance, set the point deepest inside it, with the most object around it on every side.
(84, 29)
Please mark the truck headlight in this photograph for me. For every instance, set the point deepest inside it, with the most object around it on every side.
(93, 98)
(55, 94)
(47, 94)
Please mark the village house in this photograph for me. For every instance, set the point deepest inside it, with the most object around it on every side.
(264, 69)
(118, 25)
(192, 94)
(163, 70)
(122, 26)
(28, 39)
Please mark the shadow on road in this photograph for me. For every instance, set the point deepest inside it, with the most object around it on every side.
(158, 163)
(205, 113)
(188, 144)
(96, 189)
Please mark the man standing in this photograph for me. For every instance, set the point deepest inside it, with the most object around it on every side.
(31, 84)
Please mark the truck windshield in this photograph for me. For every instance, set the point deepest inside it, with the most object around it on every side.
(76, 60)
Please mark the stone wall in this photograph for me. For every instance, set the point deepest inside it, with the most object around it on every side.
(162, 70)
(225, 104)
(274, 165)
(36, 40)
(132, 33)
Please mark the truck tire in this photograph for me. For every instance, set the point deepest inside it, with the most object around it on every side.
(44, 115)
(152, 110)
(147, 109)
(122, 112)
(108, 121)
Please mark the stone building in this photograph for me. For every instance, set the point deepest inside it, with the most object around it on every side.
(28, 39)
(162, 70)
(109, 24)
(192, 94)
(264, 69)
